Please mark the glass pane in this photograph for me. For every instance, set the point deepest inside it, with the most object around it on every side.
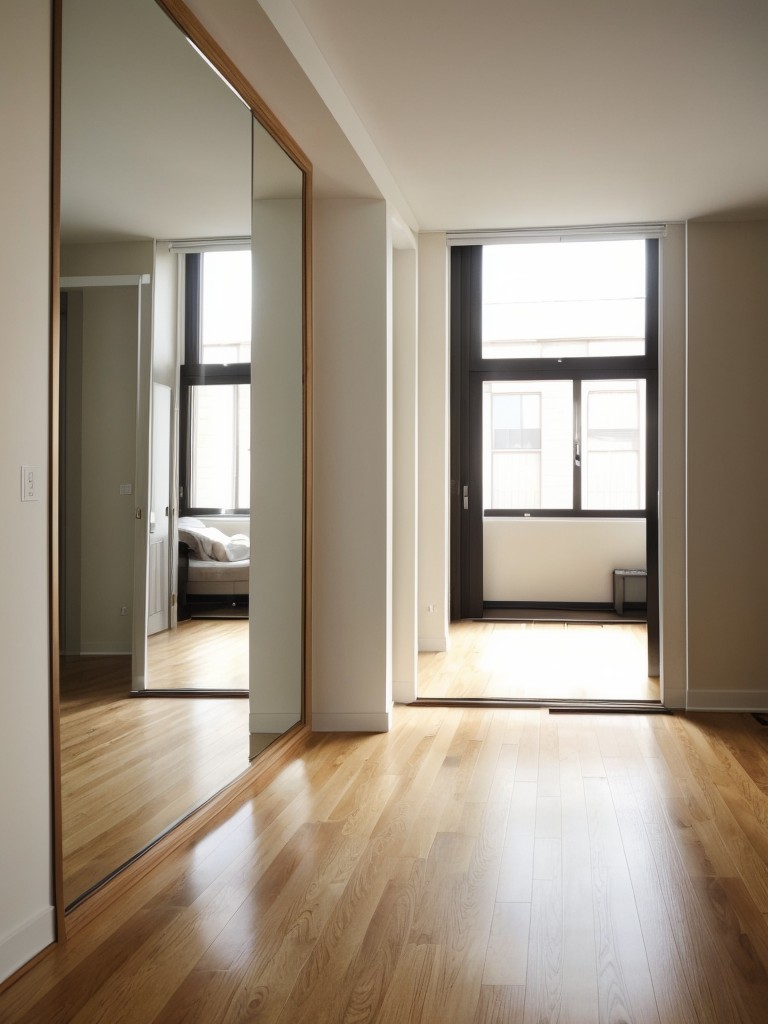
(220, 446)
(226, 307)
(528, 444)
(550, 299)
(613, 444)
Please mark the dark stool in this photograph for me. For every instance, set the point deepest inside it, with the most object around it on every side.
(619, 578)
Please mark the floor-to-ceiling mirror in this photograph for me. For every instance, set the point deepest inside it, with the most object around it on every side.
(183, 531)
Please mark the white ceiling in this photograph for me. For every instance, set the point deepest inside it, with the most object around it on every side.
(489, 114)
(510, 113)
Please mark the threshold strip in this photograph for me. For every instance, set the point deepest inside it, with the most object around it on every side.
(192, 692)
(554, 705)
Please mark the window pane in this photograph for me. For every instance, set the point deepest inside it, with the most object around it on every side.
(528, 444)
(613, 444)
(226, 307)
(220, 446)
(550, 299)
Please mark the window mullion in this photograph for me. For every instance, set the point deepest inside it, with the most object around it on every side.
(578, 441)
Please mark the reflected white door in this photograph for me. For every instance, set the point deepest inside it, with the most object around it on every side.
(158, 589)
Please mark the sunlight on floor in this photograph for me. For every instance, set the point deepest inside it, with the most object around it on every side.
(538, 660)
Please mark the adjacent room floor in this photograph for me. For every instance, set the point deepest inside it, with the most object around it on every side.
(540, 660)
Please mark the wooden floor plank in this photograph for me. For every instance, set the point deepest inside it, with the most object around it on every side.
(493, 867)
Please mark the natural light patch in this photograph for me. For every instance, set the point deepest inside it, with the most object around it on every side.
(226, 307)
(547, 299)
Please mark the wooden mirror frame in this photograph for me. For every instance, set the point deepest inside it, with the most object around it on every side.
(286, 746)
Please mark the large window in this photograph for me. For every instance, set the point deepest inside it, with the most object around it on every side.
(215, 383)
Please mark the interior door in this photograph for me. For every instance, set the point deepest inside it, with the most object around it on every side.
(158, 595)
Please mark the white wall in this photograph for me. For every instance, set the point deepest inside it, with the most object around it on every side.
(727, 476)
(568, 560)
(276, 581)
(405, 480)
(351, 603)
(434, 445)
(672, 390)
(26, 901)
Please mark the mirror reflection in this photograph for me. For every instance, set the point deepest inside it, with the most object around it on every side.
(182, 490)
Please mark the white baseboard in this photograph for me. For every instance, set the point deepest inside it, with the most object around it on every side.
(727, 700)
(363, 721)
(27, 941)
(278, 723)
(433, 644)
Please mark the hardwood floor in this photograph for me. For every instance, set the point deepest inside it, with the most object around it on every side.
(540, 660)
(132, 766)
(208, 654)
(470, 866)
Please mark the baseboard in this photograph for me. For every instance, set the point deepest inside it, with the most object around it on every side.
(727, 700)
(433, 644)
(278, 723)
(363, 721)
(27, 941)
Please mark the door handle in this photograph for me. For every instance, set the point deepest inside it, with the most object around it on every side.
(466, 496)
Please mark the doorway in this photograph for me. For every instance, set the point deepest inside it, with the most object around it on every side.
(554, 450)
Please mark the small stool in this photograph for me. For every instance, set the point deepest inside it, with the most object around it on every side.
(619, 578)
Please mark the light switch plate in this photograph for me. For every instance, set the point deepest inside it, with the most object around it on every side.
(29, 485)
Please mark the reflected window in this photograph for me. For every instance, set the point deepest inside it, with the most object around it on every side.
(215, 409)
(225, 307)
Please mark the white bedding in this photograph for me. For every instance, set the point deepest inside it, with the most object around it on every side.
(209, 544)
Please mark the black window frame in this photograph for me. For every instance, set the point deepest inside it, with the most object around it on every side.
(194, 373)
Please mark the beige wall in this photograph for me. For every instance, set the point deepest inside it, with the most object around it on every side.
(101, 449)
(352, 674)
(405, 475)
(727, 467)
(26, 899)
(672, 388)
(434, 370)
(275, 627)
(108, 460)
